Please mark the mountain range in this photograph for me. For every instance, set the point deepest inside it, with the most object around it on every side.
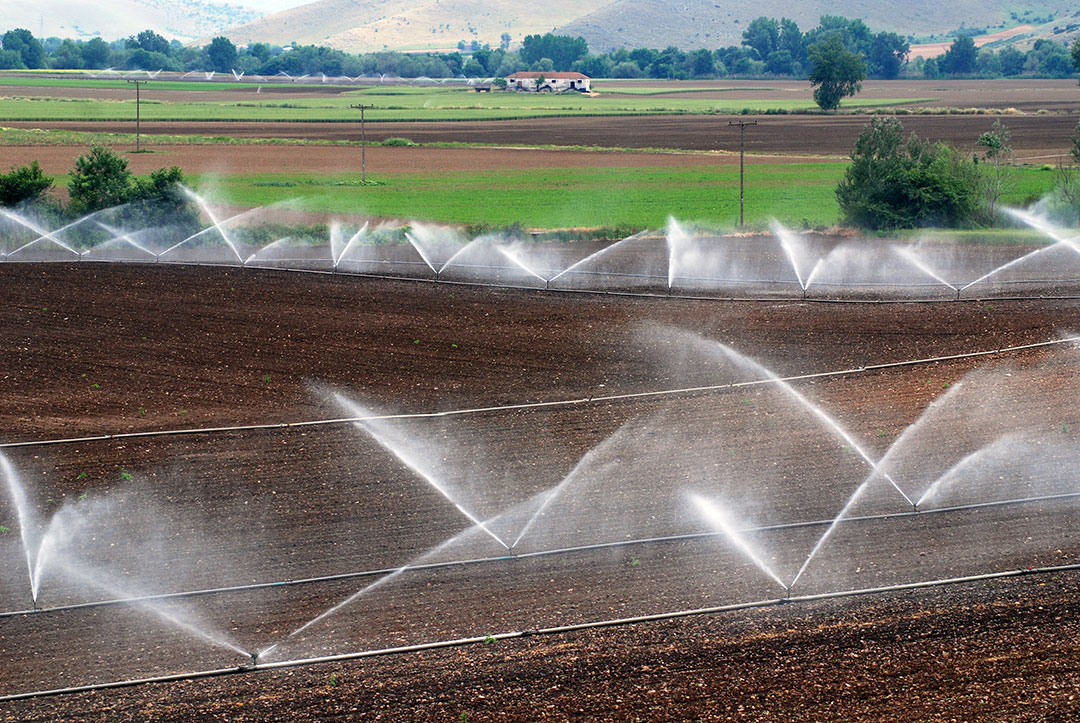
(373, 25)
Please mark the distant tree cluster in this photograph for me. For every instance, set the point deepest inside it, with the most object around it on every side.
(769, 47)
(1046, 59)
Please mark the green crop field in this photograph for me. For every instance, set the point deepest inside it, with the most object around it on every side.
(795, 194)
(392, 104)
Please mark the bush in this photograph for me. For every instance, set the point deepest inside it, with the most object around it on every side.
(101, 180)
(892, 183)
(24, 184)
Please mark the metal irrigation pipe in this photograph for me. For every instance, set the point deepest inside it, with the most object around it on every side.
(668, 293)
(525, 555)
(534, 405)
(555, 630)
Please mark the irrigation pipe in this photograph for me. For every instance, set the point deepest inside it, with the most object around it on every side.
(671, 293)
(525, 555)
(535, 405)
(556, 630)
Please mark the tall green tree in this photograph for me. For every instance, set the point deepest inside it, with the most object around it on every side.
(961, 58)
(22, 41)
(888, 53)
(221, 53)
(762, 36)
(100, 179)
(835, 72)
(892, 183)
(562, 49)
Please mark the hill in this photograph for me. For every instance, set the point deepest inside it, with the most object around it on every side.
(111, 19)
(371, 25)
(707, 23)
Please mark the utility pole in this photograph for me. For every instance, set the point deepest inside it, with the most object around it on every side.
(742, 154)
(363, 142)
(138, 128)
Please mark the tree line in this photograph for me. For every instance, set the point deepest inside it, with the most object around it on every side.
(769, 47)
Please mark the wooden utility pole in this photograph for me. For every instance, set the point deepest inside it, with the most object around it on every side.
(742, 154)
(138, 128)
(363, 142)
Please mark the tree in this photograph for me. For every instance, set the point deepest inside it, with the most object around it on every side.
(835, 71)
(222, 54)
(1012, 61)
(762, 36)
(702, 63)
(960, 58)
(998, 173)
(21, 41)
(892, 183)
(24, 184)
(159, 200)
(504, 41)
(95, 53)
(562, 49)
(888, 53)
(780, 62)
(1075, 53)
(792, 40)
(149, 41)
(101, 179)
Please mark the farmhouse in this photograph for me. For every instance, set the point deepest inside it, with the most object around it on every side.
(552, 82)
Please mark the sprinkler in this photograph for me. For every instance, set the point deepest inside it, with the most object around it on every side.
(254, 660)
(914, 508)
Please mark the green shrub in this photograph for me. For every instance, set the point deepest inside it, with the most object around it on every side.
(23, 184)
(892, 183)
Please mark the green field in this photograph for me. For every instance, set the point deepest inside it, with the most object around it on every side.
(795, 194)
(400, 103)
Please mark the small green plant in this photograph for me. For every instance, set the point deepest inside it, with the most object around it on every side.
(81, 475)
(126, 476)
(266, 378)
(489, 639)
(84, 495)
(142, 411)
(183, 411)
(333, 680)
(635, 562)
(5, 528)
(95, 385)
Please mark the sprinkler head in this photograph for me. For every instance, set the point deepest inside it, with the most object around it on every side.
(915, 508)
(254, 659)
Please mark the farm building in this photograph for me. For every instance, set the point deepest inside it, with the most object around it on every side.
(548, 82)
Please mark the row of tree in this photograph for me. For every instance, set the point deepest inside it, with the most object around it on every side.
(769, 47)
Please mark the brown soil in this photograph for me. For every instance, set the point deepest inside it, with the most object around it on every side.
(1036, 138)
(95, 348)
(392, 159)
